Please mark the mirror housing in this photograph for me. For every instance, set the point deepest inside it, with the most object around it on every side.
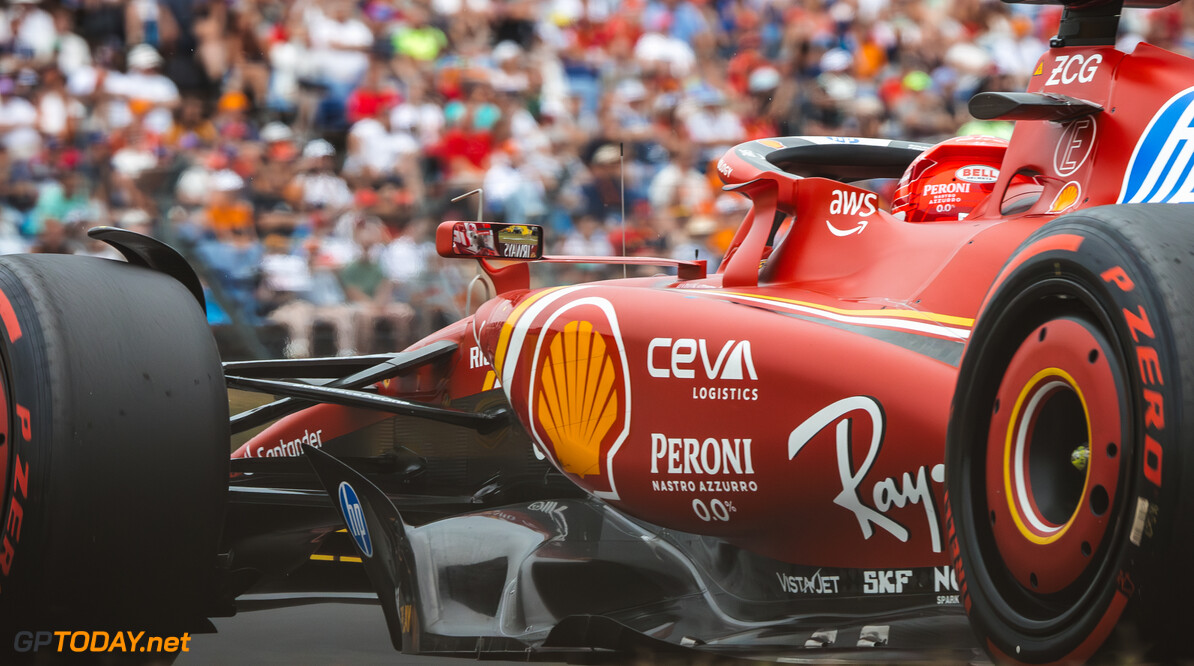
(489, 240)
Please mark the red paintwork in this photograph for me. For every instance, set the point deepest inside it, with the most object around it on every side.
(837, 333)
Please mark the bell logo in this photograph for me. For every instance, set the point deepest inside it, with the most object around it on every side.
(977, 173)
(577, 397)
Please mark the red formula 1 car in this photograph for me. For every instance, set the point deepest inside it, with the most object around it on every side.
(868, 430)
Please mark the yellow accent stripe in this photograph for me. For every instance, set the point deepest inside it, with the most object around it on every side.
(499, 355)
(1013, 424)
(490, 378)
(332, 558)
(897, 314)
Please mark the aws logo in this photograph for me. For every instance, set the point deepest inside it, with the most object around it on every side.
(579, 398)
(1159, 171)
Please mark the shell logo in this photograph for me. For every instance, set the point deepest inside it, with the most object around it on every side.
(577, 397)
(1066, 197)
(567, 367)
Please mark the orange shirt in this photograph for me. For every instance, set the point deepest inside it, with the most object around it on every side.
(225, 218)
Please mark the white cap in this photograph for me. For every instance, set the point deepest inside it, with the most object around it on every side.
(631, 90)
(133, 217)
(607, 154)
(276, 131)
(506, 50)
(226, 180)
(319, 148)
(836, 60)
(731, 203)
(763, 78)
(144, 56)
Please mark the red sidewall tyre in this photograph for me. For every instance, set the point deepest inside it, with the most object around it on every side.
(115, 454)
(1065, 462)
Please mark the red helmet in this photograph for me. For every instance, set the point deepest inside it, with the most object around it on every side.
(948, 180)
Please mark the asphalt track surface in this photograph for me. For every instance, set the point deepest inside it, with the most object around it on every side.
(324, 634)
(335, 633)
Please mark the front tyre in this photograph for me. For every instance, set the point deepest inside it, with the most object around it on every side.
(113, 444)
(1064, 456)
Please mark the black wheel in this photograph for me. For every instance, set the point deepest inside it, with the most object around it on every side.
(1066, 483)
(113, 443)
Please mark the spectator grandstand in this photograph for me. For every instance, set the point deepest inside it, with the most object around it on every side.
(300, 152)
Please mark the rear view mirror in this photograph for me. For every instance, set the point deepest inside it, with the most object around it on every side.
(489, 240)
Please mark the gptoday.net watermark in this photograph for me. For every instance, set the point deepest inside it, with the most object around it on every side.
(98, 641)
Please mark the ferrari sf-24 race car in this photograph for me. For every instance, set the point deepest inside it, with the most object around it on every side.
(867, 428)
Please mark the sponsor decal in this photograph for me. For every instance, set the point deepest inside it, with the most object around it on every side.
(716, 510)
(943, 196)
(1075, 145)
(885, 494)
(770, 143)
(354, 517)
(710, 366)
(710, 456)
(9, 317)
(18, 499)
(1149, 362)
(1040, 68)
(704, 486)
(885, 582)
(945, 188)
(1067, 196)
(578, 397)
(853, 203)
(579, 400)
(1073, 69)
(294, 447)
(977, 173)
(547, 506)
(746, 152)
(476, 359)
(945, 584)
(1159, 171)
(724, 169)
(846, 232)
(815, 584)
(16, 515)
(945, 579)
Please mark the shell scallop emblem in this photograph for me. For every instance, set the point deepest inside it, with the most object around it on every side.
(577, 398)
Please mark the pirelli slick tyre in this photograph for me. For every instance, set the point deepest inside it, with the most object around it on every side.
(1067, 484)
(113, 444)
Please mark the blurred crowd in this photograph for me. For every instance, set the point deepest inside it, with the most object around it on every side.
(302, 151)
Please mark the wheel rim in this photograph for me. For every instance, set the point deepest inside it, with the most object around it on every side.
(1053, 460)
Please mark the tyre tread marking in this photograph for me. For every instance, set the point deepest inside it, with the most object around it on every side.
(9, 317)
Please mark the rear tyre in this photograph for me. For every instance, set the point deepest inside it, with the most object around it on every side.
(113, 444)
(1066, 479)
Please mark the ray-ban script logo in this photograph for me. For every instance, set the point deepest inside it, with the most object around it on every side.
(888, 493)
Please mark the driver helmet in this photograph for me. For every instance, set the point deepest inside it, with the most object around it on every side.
(948, 180)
